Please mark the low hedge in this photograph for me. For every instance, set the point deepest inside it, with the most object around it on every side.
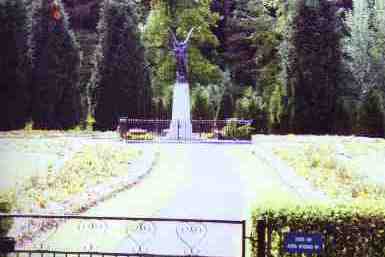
(355, 229)
(144, 136)
(233, 131)
(5, 207)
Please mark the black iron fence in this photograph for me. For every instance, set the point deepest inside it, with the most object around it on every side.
(195, 130)
(55, 235)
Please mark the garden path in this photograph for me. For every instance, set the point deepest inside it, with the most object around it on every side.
(201, 181)
(214, 191)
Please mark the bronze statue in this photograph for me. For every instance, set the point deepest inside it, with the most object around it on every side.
(180, 52)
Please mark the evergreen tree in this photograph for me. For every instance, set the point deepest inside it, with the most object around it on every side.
(314, 61)
(56, 97)
(120, 80)
(15, 64)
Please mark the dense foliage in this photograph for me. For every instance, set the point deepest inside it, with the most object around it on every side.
(307, 66)
(56, 98)
(179, 16)
(15, 64)
(366, 64)
(6, 205)
(354, 229)
(313, 67)
(120, 82)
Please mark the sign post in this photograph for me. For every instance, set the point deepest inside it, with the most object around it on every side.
(303, 243)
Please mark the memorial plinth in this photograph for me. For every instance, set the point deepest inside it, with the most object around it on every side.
(180, 127)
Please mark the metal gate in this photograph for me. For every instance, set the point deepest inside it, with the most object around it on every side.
(84, 236)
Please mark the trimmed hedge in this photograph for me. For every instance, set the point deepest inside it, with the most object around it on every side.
(355, 229)
(233, 131)
(5, 207)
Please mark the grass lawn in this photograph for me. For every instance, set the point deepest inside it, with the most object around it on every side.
(143, 200)
(343, 167)
(39, 171)
(22, 158)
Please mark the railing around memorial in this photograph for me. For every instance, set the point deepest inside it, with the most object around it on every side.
(55, 235)
(158, 130)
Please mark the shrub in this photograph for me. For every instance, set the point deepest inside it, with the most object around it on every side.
(371, 116)
(144, 136)
(348, 229)
(5, 207)
(232, 131)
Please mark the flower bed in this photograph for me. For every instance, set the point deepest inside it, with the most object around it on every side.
(343, 168)
(93, 165)
(94, 174)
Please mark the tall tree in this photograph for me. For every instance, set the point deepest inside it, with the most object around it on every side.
(179, 16)
(120, 80)
(56, 97)
(358, 46)
(365, 60)
(378, 52)
(15, 64)
(314, 62)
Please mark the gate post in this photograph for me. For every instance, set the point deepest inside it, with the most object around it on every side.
(261, 238)
(178, 126)
(243, 238)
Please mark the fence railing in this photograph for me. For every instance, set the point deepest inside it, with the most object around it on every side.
(56, 235)
(136, 129)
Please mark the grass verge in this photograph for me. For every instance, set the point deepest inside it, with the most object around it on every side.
(91, 166)
(342, 168)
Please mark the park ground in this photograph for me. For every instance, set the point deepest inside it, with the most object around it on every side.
(202, 181)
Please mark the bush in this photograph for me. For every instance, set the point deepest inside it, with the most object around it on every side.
(371, 116)
(144, 136)
(5, 207)
(348, 229)
(232, 131)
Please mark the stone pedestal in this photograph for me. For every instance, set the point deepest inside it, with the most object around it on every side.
(180, 127)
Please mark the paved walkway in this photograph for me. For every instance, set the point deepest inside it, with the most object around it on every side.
(215, 189)
(213, 192)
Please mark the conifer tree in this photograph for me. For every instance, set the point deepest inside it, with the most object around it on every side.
(15, 64)
(313, 66)
(120, 82)
(56, 97)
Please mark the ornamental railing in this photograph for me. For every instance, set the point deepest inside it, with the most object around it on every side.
(201, 130)
(55, 235)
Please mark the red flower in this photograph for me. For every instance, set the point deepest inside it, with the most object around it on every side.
(55, 11)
